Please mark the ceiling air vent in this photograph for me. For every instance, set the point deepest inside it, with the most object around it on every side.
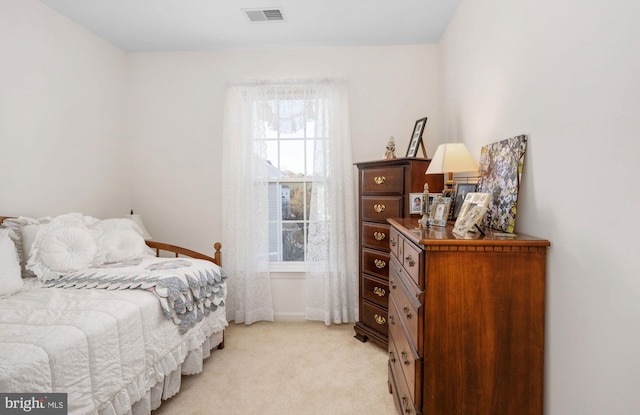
(264, 15)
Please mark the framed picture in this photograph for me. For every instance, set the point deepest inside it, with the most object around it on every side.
(471, 213)
(432, 198)
(461, 192)
(439, 211)
(501, 166)
(415, 203)
(468, 221)
(416, 138)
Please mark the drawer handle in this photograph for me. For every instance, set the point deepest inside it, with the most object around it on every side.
(407, 312)
(379, 236)
(392, 357)
(379, 208)
(405, 359)
(391, 319)
(393, 284)
(379, 319)
(380, 263)
(392, 242)
(379, 180)
(379, 291)
(410, 260)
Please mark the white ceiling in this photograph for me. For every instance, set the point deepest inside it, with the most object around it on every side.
(173, 25)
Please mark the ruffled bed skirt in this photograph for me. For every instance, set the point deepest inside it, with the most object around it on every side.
(163, 381)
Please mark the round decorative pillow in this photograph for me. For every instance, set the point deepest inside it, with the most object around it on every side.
(122, 244)
(67, 249)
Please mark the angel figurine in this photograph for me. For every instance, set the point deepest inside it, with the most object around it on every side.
(391, 148)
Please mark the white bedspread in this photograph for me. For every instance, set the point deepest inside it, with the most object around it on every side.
(187, 288)
(105, 349)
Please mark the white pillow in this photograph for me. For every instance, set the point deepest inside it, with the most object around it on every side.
(67, 249)
(29, 233)
(62, 245)
(122, 245)
(10, 272)
(17, 225)
(105, 227)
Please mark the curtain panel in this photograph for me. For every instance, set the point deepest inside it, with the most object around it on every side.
(331, 249)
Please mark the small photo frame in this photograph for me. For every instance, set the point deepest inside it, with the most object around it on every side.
(432, 198)
(416, 139)
(439, 211)
(415, 203)
(461, 192)
(471, 213)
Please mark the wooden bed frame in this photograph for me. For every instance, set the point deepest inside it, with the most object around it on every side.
(174, 249)
(178, 251)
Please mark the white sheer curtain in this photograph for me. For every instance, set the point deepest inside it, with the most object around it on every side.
(244, 209)
(332, 251)
(332, 265)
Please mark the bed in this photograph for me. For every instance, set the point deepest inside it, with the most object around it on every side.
(116, 332)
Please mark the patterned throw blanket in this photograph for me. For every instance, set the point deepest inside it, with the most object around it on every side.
(187, 288)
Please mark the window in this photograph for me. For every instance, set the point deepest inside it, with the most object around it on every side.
(287, 142)
(289, 202)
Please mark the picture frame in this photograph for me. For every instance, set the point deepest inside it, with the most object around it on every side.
(471, 213)
(415, 203)
(416, 139)
(439, 211)
(461, 189)
(500, 167)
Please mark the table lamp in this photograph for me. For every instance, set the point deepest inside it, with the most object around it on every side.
(451, 158)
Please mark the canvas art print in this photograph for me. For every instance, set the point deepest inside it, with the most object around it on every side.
(501, 166)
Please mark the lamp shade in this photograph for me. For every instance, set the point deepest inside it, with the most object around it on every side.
(452, 158)
(137, 219)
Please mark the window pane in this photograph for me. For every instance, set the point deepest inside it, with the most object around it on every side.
(271, 148)
(291, 118)
(274, 240)
(293, 241)
(292, 201)
(309, 156)
(269, 130)
(292, 157)
(274, 202)
(310, 129)
(308, 209)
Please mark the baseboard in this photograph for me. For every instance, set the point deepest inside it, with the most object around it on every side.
(289, 317)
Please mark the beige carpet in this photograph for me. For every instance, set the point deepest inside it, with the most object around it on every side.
(288, 368)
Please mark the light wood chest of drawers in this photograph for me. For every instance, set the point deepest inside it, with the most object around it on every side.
(384, 187)
(466, 322)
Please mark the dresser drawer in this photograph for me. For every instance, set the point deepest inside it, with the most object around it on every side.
(407, 357)
(375, 317)
(383, 180)
(410, 310)
(402, 396)
(375, 263)
(375, 235)
(395, 243)
(381, 208)
(412, 262)
(375, 290)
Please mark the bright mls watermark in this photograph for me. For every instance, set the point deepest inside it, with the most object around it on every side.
(33, 403)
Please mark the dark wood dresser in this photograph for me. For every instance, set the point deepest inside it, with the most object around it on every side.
(384, 187)
(466, 321)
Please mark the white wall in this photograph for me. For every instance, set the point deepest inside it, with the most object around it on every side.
(566, 73)
(61, 120)
(177, 105)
